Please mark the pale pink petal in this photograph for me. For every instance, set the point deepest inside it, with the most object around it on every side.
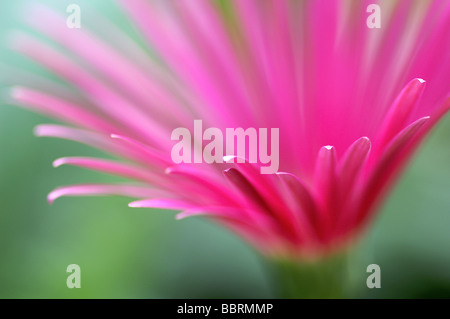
(102, 190)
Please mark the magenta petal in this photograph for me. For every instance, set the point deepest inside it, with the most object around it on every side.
(247, 192)
(303, 206)
(206, 181)
(400, 111)
(386, 167)
(352, 163)
(63, 110)
(78, 135)
(173, 204)
(110, 167)
(326, 185)
(100, 190)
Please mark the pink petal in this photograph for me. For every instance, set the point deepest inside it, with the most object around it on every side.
(400, 111)
(101, 190)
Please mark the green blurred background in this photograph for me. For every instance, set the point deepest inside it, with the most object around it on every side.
(143, 253)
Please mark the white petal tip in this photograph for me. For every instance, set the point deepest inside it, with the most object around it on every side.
(58, 162)
(51, 198)
(16, 92)
(134, 204)
(38, 131)
(228, 158)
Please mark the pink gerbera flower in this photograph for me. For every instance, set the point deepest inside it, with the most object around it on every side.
(349, 102)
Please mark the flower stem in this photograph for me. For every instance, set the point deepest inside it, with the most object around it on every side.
(326, 278)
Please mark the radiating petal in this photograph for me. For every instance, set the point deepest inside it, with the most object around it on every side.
(102, 190)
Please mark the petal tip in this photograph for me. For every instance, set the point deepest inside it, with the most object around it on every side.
(365, 141)
(228, 158)
(228, 170)
(133, 204)
(419, 80)
(38, 131)
(137, 204)
(58, 162)
(51, 197)
(15, 92)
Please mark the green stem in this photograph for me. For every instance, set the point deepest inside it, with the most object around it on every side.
(324, 278)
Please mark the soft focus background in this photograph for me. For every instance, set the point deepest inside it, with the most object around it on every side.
(143, 253)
